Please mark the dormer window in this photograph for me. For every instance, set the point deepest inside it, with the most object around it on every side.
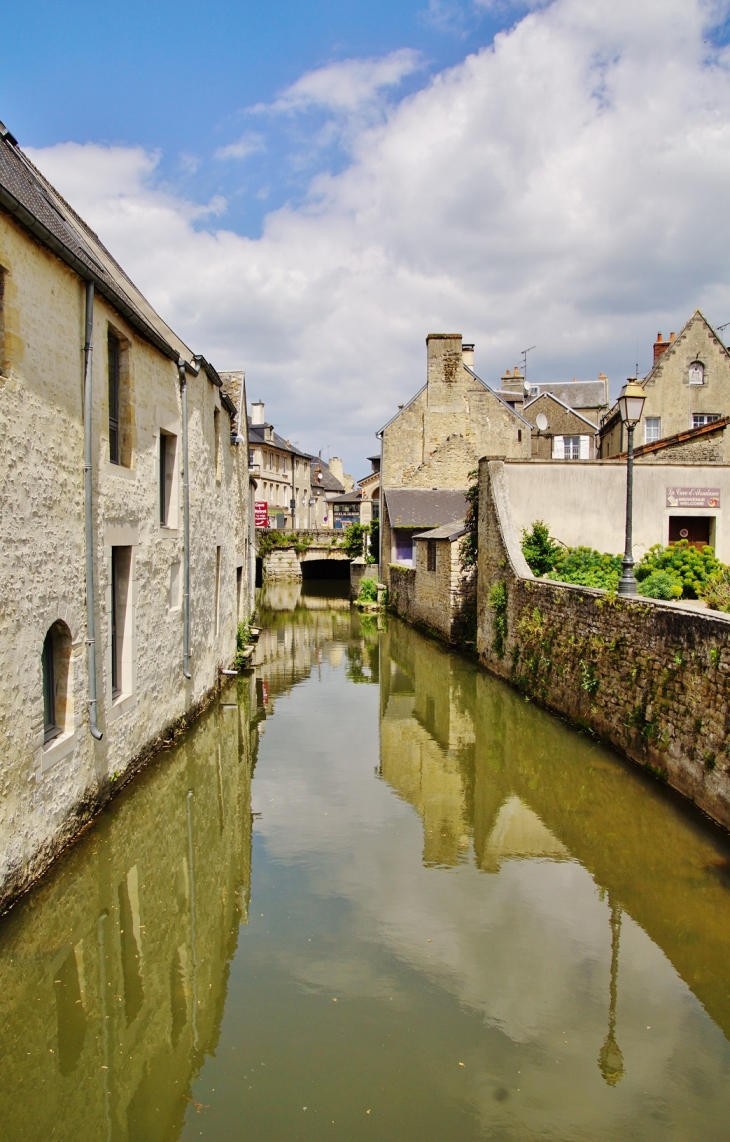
(697, 373)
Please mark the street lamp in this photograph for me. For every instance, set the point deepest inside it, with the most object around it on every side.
(631, 406)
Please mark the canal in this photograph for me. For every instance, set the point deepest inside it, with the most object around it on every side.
(374, 894)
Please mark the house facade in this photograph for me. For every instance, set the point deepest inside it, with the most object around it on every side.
(282, 474)
(125, 496)
(432, 444)
(687, 387)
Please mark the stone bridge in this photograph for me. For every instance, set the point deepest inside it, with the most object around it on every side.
(303, 554)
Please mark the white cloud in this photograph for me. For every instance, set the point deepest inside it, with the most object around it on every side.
(565, 187)
(347, 84)
(250, 143)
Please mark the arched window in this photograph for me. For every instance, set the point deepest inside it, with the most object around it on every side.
(56, 667)
(697, 373)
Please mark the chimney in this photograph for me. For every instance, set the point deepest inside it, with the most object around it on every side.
(335, 467)
(444, 371)
(660, 345)
(257, 412)
(467, 355)
(513, 382)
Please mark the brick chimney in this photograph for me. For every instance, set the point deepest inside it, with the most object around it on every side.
(257, 412)
(661, 346)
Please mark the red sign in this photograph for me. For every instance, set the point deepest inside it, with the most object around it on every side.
(261, 513)
(265, 692)
(693, 497)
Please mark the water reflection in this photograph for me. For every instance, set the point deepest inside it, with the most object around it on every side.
(469, 921)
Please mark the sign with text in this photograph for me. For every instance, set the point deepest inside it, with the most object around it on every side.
(693, 497)
(261, 513)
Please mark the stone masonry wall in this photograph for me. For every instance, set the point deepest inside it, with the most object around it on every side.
(650, 678)
(436, 601)
(704, 450)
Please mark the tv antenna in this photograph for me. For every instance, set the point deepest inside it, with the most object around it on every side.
(524, 362)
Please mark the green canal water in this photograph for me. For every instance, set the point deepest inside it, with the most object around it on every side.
(374, 895)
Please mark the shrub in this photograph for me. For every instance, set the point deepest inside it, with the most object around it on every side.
(353, 539)
(368, 591)
(691, 567)
(539, 549)
(716, 592)
(587, 567)
(661, 585)
(243, 638)
(374, 545)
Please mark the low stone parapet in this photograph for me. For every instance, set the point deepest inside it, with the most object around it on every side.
(649, 677)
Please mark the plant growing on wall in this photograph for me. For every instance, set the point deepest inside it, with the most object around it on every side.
(498, 603)
(243, 638)
(368, 591)
(374, 545)
(688, 566)
(469, 546)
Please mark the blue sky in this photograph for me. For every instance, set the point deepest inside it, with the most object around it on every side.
(181, 77)
(306, 191)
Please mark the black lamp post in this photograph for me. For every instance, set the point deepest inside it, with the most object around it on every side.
(631, 406)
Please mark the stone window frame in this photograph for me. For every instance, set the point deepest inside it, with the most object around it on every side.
(124, 422)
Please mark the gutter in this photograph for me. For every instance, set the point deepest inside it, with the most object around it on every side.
(88, 511)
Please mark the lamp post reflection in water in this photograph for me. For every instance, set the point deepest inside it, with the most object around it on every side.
(610, 1059)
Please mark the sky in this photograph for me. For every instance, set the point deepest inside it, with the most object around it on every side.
(306, 190)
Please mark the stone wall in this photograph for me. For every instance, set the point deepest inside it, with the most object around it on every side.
(51, 788)
(709, 449)
(650, 678)
(436, 601)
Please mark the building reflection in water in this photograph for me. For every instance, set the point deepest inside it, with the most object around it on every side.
(113, 972)
(495, 779)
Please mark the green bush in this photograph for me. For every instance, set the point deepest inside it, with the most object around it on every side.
(353, 539)
(539, 549)
(469, 546)
(689, 566)
(374, 546)
(661, 585)
(586, 567)
(368, 591)
(716, 592)
(243, 638)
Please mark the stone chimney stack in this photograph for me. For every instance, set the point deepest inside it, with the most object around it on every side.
(444, 370)
(467, 355)
(257, 412)
(513, 382)
(335, 467)
(661, 346)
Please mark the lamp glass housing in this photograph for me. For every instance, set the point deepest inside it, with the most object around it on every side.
(631, 402)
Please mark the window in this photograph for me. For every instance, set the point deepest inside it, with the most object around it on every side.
(652, 429)
(571, 446)
(217, 600)
(121, 620)
(697, 373)
(113, 399)
(251, 460)
(403, 546)
(168, 445)
(56, 667)
(120, 407)
(431, 555)
(217, 443)
(700, 418)
(239, 592)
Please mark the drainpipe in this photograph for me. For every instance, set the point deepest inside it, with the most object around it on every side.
(381, 513)
(88, 517)
(186, 521)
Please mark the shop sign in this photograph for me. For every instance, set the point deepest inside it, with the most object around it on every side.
(693, 497)
(261, 513)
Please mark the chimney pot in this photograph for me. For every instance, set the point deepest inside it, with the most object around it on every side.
(660, 345)
(671, 336)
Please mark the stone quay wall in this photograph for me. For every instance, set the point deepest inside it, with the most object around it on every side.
(650, 678)
(437, 601)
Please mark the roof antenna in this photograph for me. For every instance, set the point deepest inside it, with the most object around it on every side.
(636, 374)
(524, 362)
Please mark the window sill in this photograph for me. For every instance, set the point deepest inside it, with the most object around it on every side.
(121, 705)
(56, 749)
(168, 532)
(120, 471)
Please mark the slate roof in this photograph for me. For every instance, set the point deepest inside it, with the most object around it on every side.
(257, 435)
(448, 531)
(575, 394)
(39, 208)
(329, 482)
(416, 507)
(346, 498)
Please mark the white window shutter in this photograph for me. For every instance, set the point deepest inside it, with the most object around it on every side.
(558, 448)
(585, 448)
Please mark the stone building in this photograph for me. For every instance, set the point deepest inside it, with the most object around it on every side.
(687, 387)
(560, 432)
(282, 474)
(434, 442)
(589, 398)
(125, 493)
